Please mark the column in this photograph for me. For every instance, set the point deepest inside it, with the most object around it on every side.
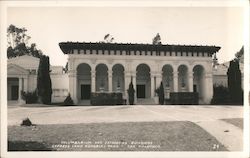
(127, 80)
(175, 79)
(152, 86)
(93, 81)
(20, 85)
(207, 86)
(158, 80)
(190, 81)
(26, 89)
(110, 72)
(73, 85)
(133, 75)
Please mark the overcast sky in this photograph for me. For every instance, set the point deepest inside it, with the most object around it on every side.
(220, 26)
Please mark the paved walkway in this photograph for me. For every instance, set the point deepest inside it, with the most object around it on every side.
(208, 117)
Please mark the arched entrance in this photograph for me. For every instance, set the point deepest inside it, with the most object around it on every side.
(83, 81)
(167, 80)
(143, 81)
(182, 78)
(199, 81)
(118, 78)
(13, 88)
(101, 78)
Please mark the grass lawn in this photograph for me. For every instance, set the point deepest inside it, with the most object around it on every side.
(238, 122)
(143, 136)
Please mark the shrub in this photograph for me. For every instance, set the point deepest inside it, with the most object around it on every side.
(221, 95)
(106, 99)
(68, 100)
(26, 122)
(29, 97)
(131, 94)
(160, 93)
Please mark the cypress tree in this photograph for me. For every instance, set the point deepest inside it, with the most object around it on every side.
(131, 94)
(160, 92)
(44, 87)
(234, 83)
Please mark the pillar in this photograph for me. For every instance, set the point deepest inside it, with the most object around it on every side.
(207, 87)
(73, 85)
(110, 73)
(127, 80)
(190, 80)
(158, 79)
(93, 81)
(175, 79)
(152, 85)
(133, 75)
(25, 85)
(20, 85)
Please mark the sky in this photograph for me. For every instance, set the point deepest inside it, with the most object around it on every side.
(48, 26)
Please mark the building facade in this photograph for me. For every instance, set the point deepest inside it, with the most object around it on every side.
(22, 76)
(110, 67)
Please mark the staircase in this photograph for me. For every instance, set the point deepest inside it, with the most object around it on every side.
(145, 101)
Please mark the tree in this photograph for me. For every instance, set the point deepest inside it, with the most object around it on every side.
(157, 39)
(108, 38)
(44, 81)
(234, 82)
(160, 92)
(131, 93)
(18, 43)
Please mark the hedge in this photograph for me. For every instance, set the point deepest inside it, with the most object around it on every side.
(106, 99)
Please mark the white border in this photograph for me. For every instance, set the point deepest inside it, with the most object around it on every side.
(140, 3)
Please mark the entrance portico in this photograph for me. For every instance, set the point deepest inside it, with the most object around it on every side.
(108, 67)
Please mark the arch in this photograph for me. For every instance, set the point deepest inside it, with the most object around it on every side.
(83, 72)
(199, 81)
(143, 81)
(101, 77)
(167, 79)
(182, 78)
(118, 78)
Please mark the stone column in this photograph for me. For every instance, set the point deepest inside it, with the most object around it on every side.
(158, 78)
(93, 81)
(127, 80)
(25, 84)
(175, 79)
(20, 86)
(190, 81)
(207, 86)
(152, 85)
(133, 75)
(73, 85)
(110, 73)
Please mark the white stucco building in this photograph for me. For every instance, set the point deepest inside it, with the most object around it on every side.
(110, 67)
(22, 75)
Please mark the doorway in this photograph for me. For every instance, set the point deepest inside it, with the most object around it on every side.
(14, 92)
(140, 91)
(85, 92)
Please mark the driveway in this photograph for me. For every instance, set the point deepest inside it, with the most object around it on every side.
(208, 117)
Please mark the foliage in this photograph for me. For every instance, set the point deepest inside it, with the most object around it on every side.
(160, 93)
(157, 39)
(29, 97)
(184, 98)
(131, 94)
(18, 43)
(26, 122)
(108, 38)
(234, 83)
(220, 95)
(68, 100)
(44, 81)
(240, 55)
(106, 99)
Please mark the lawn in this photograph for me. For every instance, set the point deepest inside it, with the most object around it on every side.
(143, 136)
